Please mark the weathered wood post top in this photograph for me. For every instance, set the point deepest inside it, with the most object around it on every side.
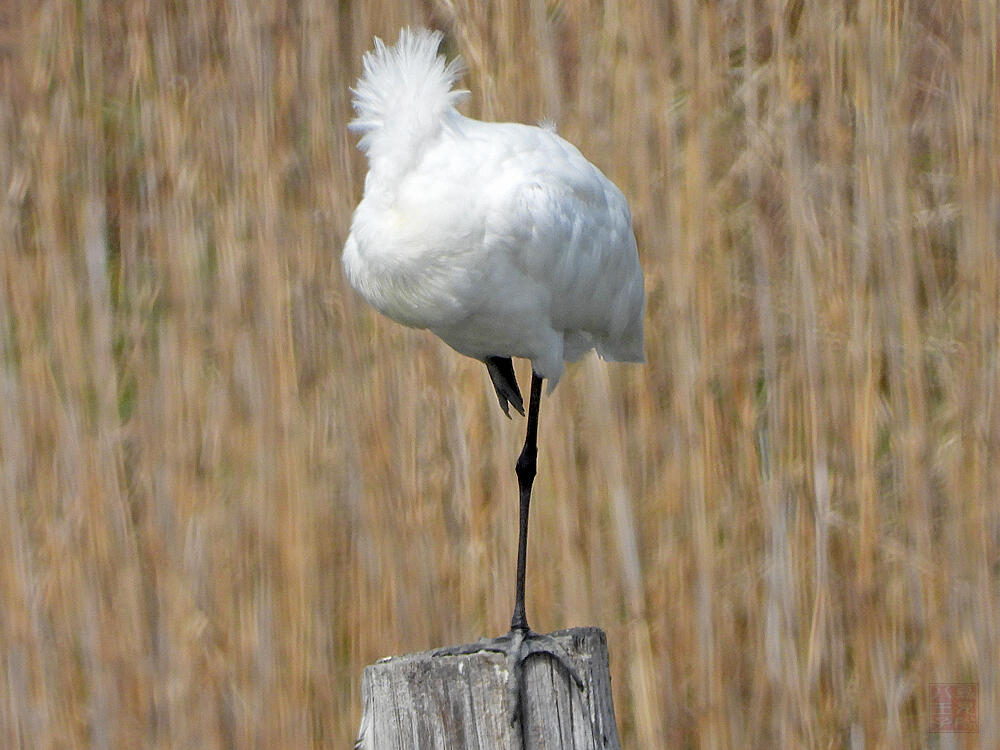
(426, 701)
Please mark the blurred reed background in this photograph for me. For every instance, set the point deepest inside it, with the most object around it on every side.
(227, 484)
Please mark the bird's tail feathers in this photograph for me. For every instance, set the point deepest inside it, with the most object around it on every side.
(404, 92)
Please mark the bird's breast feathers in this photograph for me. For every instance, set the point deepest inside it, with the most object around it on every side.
(394, 260)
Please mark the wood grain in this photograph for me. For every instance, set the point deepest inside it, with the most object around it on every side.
(426, 701)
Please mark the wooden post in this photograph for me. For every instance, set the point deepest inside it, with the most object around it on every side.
(427, 702)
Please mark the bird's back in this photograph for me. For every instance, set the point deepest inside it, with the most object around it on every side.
(503, 240)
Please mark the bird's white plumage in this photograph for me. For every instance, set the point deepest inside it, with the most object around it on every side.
(500, 238)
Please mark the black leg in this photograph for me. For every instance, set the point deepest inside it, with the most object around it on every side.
(520, 642)
(525, 469)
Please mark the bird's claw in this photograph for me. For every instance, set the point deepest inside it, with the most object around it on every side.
(517, 646)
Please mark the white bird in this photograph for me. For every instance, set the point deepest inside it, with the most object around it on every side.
(500, 238)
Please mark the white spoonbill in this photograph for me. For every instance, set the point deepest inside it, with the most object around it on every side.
(500, 238)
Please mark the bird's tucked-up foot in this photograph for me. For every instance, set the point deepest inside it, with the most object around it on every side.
(501, 371)
(517, 646)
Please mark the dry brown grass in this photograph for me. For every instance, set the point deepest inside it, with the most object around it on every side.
(227, 485)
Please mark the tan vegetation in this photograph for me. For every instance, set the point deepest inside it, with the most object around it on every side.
(226, 484)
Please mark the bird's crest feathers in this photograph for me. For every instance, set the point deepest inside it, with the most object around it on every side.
(404, 93)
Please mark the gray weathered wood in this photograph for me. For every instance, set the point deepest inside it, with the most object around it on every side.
(426, 702)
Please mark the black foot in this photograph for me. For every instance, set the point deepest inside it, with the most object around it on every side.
(501, 371)
(517, 646)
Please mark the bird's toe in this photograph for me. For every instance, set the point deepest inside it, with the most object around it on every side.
(517, 647)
